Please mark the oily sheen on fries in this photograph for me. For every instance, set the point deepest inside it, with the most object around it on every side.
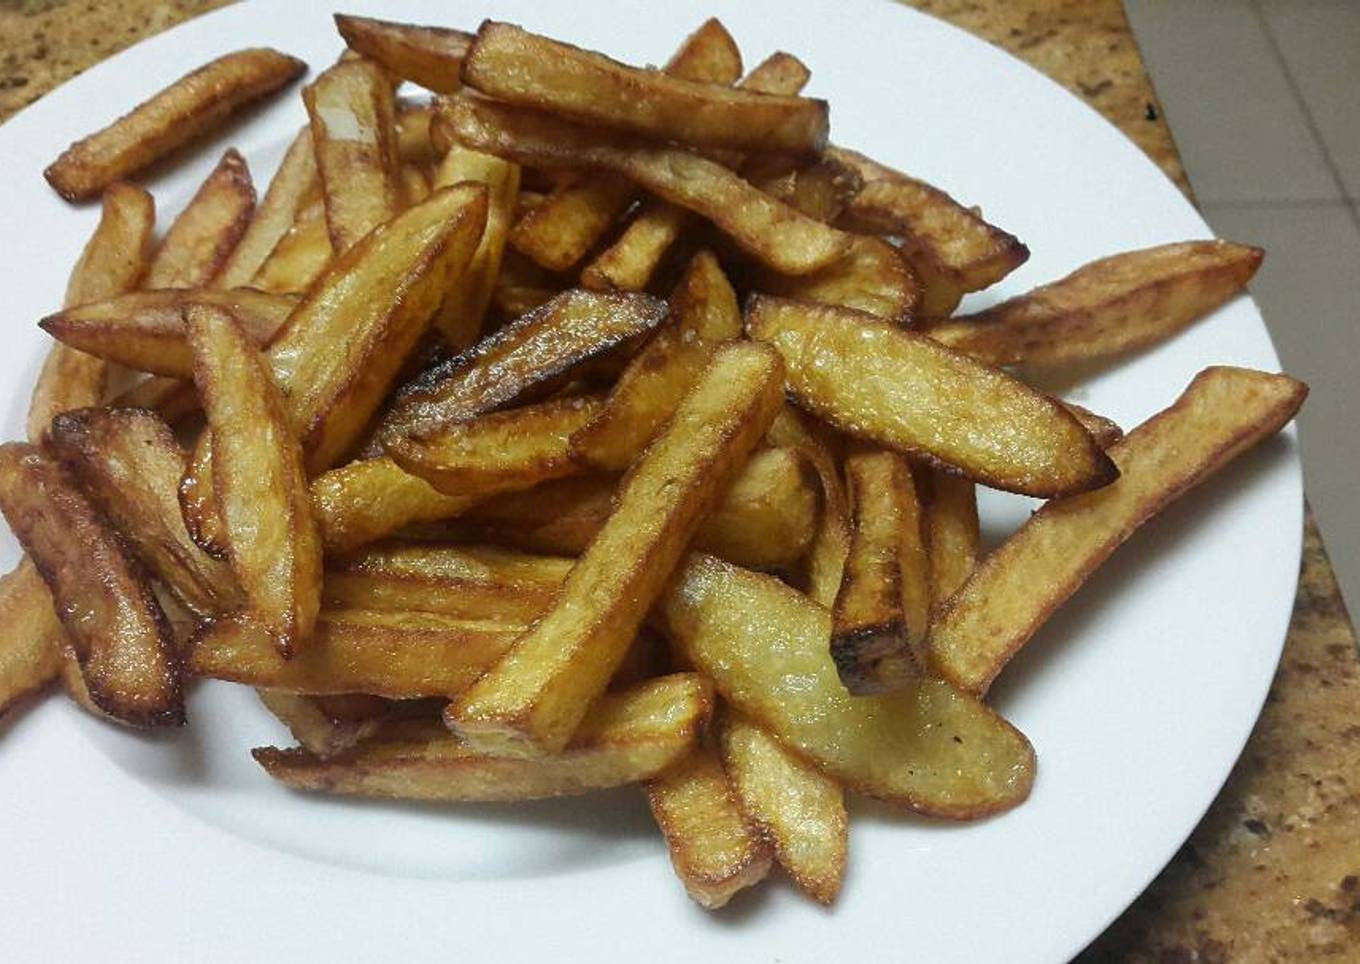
(429, 56)
(906, 392)
(1223, 413)
(32, 654)
(531, 702)
(207, 230)
(626, 737)
(118, 632)
(715, 850)
(929, 747)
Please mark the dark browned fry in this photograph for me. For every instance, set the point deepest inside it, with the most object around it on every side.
(429, 56)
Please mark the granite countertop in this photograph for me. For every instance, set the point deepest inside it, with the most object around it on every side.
(1272, 873)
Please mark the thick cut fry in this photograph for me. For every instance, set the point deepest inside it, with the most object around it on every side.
(873, 277)
(626, 737)
(117, 629)
(945, 241)
(30, 650)
(532, 701)
(145, 330)
(628, 264)
(1223, 412)
(294, 180)
(300, 256)
(468, 582)
(879, 621)
(130, 465)
(515, 449)
(259, 482)
(317, 730)
(368, 499)
(559, 232)
(173, 399)
(518, 67)
(772, 232)
(703, 301)
(1107, 307)
(952, 533)
(429, 56)
(820, 190)
(113, 262)
(911, 394)
(931, 748)
(830, 543)
(197, 102)
(714, 849)
(353, 121)
(461, 317)
(207, 230)
(800, 809)
(537, 350)
(398, 655)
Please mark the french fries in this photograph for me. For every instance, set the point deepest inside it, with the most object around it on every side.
(207, 230)
(627, 737)
(196, 103)
(144, 330)
(300, 256)
(316, 729)
(715, 850)
(952, 531)
(429, 56)
(114, 623)
(872, 277)
(518, 67)
(1223, 412)
(777, 235)
(930, 748)
(295, 179)
(532, 701)
(31, 654)
(1107, 307)
(879, 620)
(907, 392)
(800, 809)
(259, 484)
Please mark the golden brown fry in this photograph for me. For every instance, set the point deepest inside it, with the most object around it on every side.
(414, 145)
(145, 330)
(572, 220)
(301, 255)
(173, 399)
(774, 233)
(207, 230)
(879, 621)
(911, 394)
(197, 102)
(704, 302)
(512, 301)
(714, 849)
(514, 449)
(353, 121)
(258, 479)
(415, 184)
(930, 747)
(368, 499)
(295, 178)
(117, 629)
(628, 264)
(536, 351)
(830, 542)
(820, 190)
(530, 703)
(30, 650)
(626, 737)
(429, 56)
(951, 523)
(800, 809)
(393, 654)
(1010, 594)
(469, 582)
(872, 277)
(316, 729)
(1107, 307)
(518, 67)
(113, 262)
(198, 501)
(130, 465)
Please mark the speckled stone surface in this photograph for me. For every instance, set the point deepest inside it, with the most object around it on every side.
(1273, 871)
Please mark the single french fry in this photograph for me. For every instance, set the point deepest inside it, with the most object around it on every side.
(627, 737)
(1223, 413)
(205, 233)
(714, 848)
(196, 103)
(800, 809)
(113, 261)
(820, 190)
(930, 748)
(1104, 430)
(532, 701)
(30, 650)
(873, 277)
(513, 65)
(367, 499)
(301, 255)
(295, 178)
(907, 392)
(429, 56)
(117, 629)
(314, 728)
(1108, 307)
(952, 533)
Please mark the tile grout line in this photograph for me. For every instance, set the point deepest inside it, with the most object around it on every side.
(1313, 129)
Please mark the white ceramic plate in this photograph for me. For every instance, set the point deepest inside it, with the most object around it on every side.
(1138, 696)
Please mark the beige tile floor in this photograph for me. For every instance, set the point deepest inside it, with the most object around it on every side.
(1264, 100)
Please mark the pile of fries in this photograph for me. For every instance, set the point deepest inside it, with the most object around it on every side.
(581, 425)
